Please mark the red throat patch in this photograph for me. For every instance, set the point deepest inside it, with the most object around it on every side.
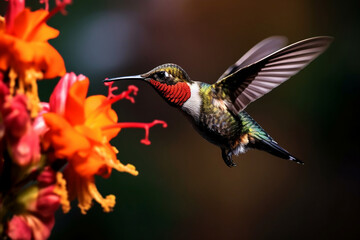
(176, 94)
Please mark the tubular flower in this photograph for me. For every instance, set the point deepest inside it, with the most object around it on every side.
(81, 135)
(57, 101)
(25, 52)
(59, 95)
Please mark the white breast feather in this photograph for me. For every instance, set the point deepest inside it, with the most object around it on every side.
(192, 105)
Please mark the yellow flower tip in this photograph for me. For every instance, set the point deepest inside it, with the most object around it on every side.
(12, 77)
(108, 203)
(83, 208)
(60, 189)
(116, 151)
(131, 169)
(130, 166)
(26, 84)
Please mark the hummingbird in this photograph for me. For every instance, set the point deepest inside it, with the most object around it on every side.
(217, 110)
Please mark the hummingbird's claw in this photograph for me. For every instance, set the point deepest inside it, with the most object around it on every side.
(230, 164)
(227, 157)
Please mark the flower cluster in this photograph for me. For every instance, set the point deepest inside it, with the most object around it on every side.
(45, 145)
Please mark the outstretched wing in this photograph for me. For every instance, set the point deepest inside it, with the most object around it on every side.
(253, 81)
(259, 51)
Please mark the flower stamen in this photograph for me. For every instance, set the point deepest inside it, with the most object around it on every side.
(145, 126)
(112, 98)
(111, 89)
(46, 2)
(60, 190)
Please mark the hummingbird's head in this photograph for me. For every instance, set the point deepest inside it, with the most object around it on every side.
(169, 80)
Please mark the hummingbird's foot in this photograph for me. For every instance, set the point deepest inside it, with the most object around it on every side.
(227, 156)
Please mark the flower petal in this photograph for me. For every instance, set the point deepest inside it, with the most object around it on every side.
(74, 111)
(18, 228)
(49, 60)
(98, 119)
(64, 139)
(30, 26)
(93, 134)
(27, 149)
(59, 95)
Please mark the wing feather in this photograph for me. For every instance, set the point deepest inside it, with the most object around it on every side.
(251, 82)
(260, 50)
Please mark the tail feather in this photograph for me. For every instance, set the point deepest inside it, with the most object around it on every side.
(263, 141)
(273, 148)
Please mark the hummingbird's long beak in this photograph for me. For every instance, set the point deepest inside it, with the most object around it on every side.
(134, 77)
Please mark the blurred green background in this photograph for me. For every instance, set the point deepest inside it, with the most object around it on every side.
(184, 190)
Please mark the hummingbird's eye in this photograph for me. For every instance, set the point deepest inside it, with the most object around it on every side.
(162, 75)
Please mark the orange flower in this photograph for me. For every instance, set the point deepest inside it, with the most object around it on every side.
(81, 134)
(25, 46)
(25, 52)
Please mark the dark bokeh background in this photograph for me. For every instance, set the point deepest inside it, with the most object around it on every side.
(184, 190)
